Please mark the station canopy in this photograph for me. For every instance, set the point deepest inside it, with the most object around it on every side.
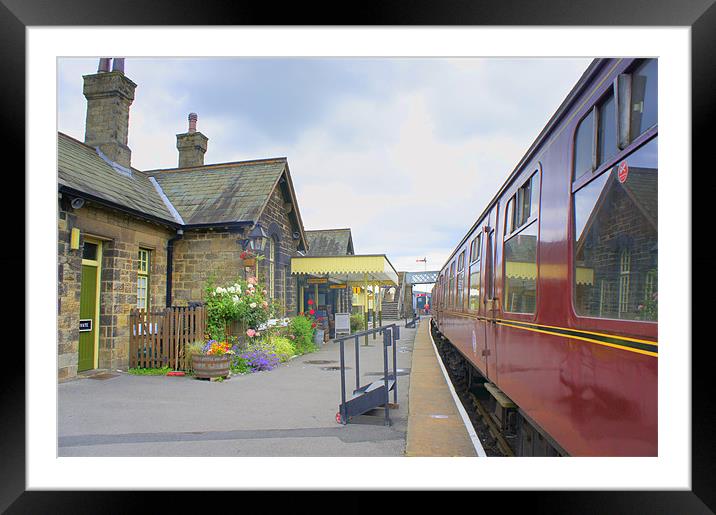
(369, 268)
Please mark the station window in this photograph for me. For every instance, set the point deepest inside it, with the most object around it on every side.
(473, 302)
(143, 279)
(615, 240)
(460, 282)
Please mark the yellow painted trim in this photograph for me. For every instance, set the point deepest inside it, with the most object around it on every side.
(639, 351)
(98, 264)
(503, 320)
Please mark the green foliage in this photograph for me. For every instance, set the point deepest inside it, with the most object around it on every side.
(239, 365)
(244, 301)
(196, 347)
(282, 346)
(150, 371)
(357, 323)
(301, 333)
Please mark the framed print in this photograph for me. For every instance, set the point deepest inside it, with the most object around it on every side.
(40, 38)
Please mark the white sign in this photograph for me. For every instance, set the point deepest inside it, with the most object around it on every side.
(343, 323)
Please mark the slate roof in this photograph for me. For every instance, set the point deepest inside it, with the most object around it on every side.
(329, 242)
(231, 192)
(80, 167)
(210, 194)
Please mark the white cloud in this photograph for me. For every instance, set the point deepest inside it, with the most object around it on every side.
(408, 169)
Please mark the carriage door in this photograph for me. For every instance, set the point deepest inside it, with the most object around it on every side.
(490, 302)
(89, 305)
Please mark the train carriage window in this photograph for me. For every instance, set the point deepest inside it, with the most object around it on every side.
(473, 301)
(520, 286)
(583, 145)
(460, 282)
(451, 286)
(607, 131)
(644, 97)
(615, 240)
(510, 216)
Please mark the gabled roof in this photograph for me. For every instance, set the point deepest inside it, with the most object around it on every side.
(230, 192)
(197, 196)
(329, 242)
(81, 168)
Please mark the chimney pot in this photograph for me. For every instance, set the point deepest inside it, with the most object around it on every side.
(118, 64)
(103, 64)
(192, 122)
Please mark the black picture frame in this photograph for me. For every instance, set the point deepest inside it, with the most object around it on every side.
(699, 15)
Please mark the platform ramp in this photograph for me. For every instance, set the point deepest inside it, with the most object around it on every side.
(377, 393)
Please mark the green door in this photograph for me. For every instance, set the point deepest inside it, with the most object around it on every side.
(89, 304)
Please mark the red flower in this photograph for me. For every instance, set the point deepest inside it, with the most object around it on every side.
(310, 302)
(312, 312)
(313, 325)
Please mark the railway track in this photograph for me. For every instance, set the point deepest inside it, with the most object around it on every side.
(493, 441)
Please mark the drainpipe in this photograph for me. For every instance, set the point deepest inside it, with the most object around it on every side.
(170, 264)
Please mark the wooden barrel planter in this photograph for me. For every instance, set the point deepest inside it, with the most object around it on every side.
(207, 367)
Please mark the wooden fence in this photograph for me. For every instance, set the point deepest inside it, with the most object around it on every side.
(158, 338)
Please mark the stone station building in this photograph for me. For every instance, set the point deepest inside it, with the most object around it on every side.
(129, 238)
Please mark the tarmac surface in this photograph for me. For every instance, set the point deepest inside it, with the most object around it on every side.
(288, 411)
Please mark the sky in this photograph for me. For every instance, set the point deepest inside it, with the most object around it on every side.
(406, 152)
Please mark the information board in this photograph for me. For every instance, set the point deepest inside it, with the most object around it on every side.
(343, 323)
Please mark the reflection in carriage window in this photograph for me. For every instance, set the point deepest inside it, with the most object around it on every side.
(645, 96)
(521, 271)
(616, 240)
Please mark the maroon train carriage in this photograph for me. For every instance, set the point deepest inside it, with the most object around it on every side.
(552, 294)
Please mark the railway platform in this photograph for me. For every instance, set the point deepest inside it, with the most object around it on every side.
(437, 423)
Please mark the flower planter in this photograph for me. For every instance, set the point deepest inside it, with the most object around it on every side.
(206, 366)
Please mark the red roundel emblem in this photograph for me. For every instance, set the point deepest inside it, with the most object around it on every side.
(338, 417)
(623, 172)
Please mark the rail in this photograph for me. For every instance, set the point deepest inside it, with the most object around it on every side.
(390, 333)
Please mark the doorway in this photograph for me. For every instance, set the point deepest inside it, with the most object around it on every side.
(88, 349)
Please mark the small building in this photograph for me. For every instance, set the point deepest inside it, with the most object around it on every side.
(149, 239)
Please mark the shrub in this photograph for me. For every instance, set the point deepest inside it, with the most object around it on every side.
(357, 323)
(283, 347)
(244, 301)
(301, 333)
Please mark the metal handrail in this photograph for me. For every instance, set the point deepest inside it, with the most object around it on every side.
(388, 339)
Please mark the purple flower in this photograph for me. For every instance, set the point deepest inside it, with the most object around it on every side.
(260, 360)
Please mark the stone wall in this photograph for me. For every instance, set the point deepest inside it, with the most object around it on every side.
(204, 254)
(122, 236)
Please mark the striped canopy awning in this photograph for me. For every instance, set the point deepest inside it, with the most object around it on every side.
(372, 268)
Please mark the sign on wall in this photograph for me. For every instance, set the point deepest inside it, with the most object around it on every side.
(338, 286)
(317, 280)
(85, 325)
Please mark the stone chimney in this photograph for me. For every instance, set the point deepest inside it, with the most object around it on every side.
(191, 145)
(109, 95)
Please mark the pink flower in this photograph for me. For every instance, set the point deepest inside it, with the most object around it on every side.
(265, 292)
(250, 333)
(251, 280)
(265, 304)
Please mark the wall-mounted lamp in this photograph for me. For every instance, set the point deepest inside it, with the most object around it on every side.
(257, 239)
(75, 239)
